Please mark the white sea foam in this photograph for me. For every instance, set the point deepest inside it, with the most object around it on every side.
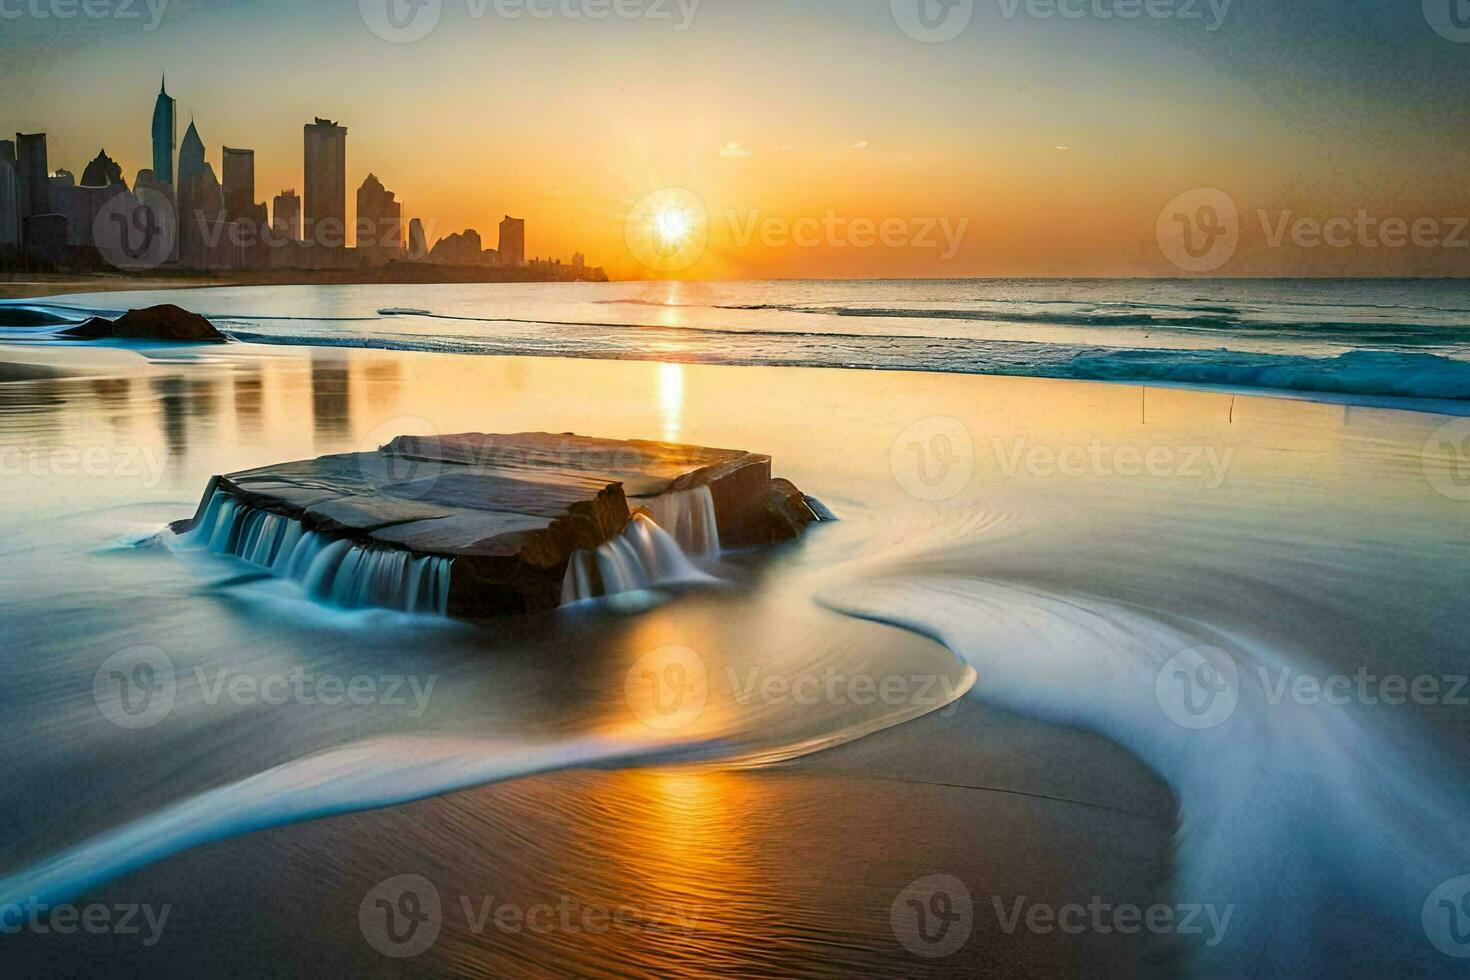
(331, 570)
(363, 776)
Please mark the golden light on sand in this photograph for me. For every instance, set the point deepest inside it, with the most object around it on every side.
(671, 400)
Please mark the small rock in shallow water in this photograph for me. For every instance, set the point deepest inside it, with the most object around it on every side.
(169, 323)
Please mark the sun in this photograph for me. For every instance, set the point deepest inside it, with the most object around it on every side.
(672, 226)
(667, 231)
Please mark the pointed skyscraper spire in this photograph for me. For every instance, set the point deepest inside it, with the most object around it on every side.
(165, 133)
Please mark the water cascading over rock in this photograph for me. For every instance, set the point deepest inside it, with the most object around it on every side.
(474, 526)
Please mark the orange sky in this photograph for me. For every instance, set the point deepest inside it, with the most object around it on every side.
(1021, 147)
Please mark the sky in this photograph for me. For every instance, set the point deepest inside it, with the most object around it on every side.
(814, 138)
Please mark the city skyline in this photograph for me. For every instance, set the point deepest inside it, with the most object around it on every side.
(1060, 139)
(212, 219)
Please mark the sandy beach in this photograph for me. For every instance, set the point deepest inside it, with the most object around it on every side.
(754, 870)
(1045, 551)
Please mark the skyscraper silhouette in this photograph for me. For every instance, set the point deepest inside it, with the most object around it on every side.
(286, 216)
(379, 222)
(201, 203)
(33, 184)
(325, 205)
(513, 242)
(191, 156)
(165, 135)
(9, 228)
(239, 181)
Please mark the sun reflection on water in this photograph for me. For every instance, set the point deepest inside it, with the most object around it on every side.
(671, 400)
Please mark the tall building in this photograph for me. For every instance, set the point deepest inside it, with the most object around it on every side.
(239, 181)
(379, 222)
(61, 188)
(9, 228)
(202, 223)
(191, 156)
(33, 177)
(286, 216)
(165, 135)
(513, 241)
(325, 211)
(418, 245)
(102, 172)
(161, 200)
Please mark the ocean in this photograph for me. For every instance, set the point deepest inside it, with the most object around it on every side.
(1369, 341)
(1167, 571)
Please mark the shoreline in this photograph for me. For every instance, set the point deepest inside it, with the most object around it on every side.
(20, 286)
(1327, 389)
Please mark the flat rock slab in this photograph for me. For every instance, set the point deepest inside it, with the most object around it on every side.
(511, 510)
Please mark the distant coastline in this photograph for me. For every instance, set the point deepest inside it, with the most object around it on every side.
(36, 285)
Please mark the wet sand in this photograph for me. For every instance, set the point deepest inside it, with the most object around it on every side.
(792, 870)
(1320, 543)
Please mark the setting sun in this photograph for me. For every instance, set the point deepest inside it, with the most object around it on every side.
(672, 226)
